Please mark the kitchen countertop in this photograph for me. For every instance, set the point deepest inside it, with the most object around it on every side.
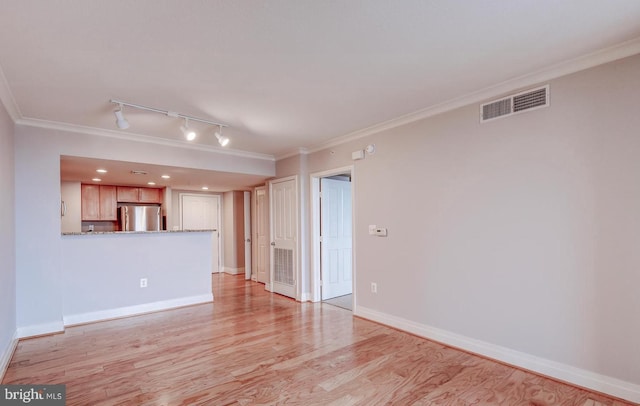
(137, 232)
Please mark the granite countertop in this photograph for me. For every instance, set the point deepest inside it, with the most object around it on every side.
(137, 232)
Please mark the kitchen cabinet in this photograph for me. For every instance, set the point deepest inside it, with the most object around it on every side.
(127, 194)
(99, 203)
(150, 195)
(71, 210)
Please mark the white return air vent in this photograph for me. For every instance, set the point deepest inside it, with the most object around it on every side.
(516, 103)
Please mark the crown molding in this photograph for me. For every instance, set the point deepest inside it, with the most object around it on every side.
(619, 51)
(7, 100)
(610, 54)
(32, 122)
(295, 152)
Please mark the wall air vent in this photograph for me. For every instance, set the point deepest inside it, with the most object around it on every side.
(514, 104)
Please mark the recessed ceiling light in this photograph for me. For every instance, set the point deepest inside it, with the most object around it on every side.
(166, 177)
(101, 170)
(96, 180)
(151, 183)
(205, 188)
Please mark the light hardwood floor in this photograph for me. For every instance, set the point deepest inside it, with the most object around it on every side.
(255, 348)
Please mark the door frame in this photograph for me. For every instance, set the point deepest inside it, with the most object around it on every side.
(220, 242)
(254, 227)
(315, 230)
(248, 254)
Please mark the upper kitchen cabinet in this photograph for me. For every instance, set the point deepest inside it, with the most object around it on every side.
(126, 194)
(99, 203)
(150, 195)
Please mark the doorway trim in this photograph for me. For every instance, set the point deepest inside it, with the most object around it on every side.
(315, 230)
(261, 212)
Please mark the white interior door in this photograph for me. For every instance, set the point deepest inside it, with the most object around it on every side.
(336, 239)
(262, 235)
(284, 226)
(202, 212)
(247, 235)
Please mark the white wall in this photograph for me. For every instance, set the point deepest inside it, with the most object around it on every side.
(37, 165)
(101, 273)
(521, 233)
(38, 239)
(7, 240)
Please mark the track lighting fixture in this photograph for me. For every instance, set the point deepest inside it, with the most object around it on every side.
(188, 133)
(221, 138)
(121, 122)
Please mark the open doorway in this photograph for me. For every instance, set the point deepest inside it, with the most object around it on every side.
(332, 233)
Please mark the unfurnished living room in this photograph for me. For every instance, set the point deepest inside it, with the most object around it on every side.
(417, 202)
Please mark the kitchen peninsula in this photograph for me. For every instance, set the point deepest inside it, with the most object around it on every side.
(114, 274)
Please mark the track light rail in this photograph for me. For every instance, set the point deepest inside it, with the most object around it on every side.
(166, 112)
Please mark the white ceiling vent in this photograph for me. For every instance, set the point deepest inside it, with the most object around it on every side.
(514, 104)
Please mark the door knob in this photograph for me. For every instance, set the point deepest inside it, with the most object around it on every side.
(273, 244)
(248, 239)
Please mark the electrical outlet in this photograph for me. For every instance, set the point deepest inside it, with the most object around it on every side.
(374, 287)
(143, 282)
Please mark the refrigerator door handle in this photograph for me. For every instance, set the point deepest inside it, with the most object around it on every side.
(63, 209)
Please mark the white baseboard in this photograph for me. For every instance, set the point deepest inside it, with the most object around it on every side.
(233, 271)
(305, 297)
(135, 310)
(40, 329)
(5, 357)
(563, 372)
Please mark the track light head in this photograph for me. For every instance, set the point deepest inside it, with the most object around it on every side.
(190, 135)
(121, 122)
(222, 140)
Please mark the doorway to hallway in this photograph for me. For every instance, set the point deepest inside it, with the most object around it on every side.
(332, 234)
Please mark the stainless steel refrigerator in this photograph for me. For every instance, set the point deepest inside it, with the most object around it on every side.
(139, 218)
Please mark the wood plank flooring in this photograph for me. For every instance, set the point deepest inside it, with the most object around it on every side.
(251, 347)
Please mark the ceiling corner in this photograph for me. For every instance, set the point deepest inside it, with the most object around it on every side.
(7, 99)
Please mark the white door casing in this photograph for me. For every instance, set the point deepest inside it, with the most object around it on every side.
(284, 230)
(336, 270)
(202, 212)
(262, 235)
(247, 235)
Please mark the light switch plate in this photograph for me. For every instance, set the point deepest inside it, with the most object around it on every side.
(381, 232)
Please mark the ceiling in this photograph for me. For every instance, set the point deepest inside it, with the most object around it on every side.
(283, 74)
